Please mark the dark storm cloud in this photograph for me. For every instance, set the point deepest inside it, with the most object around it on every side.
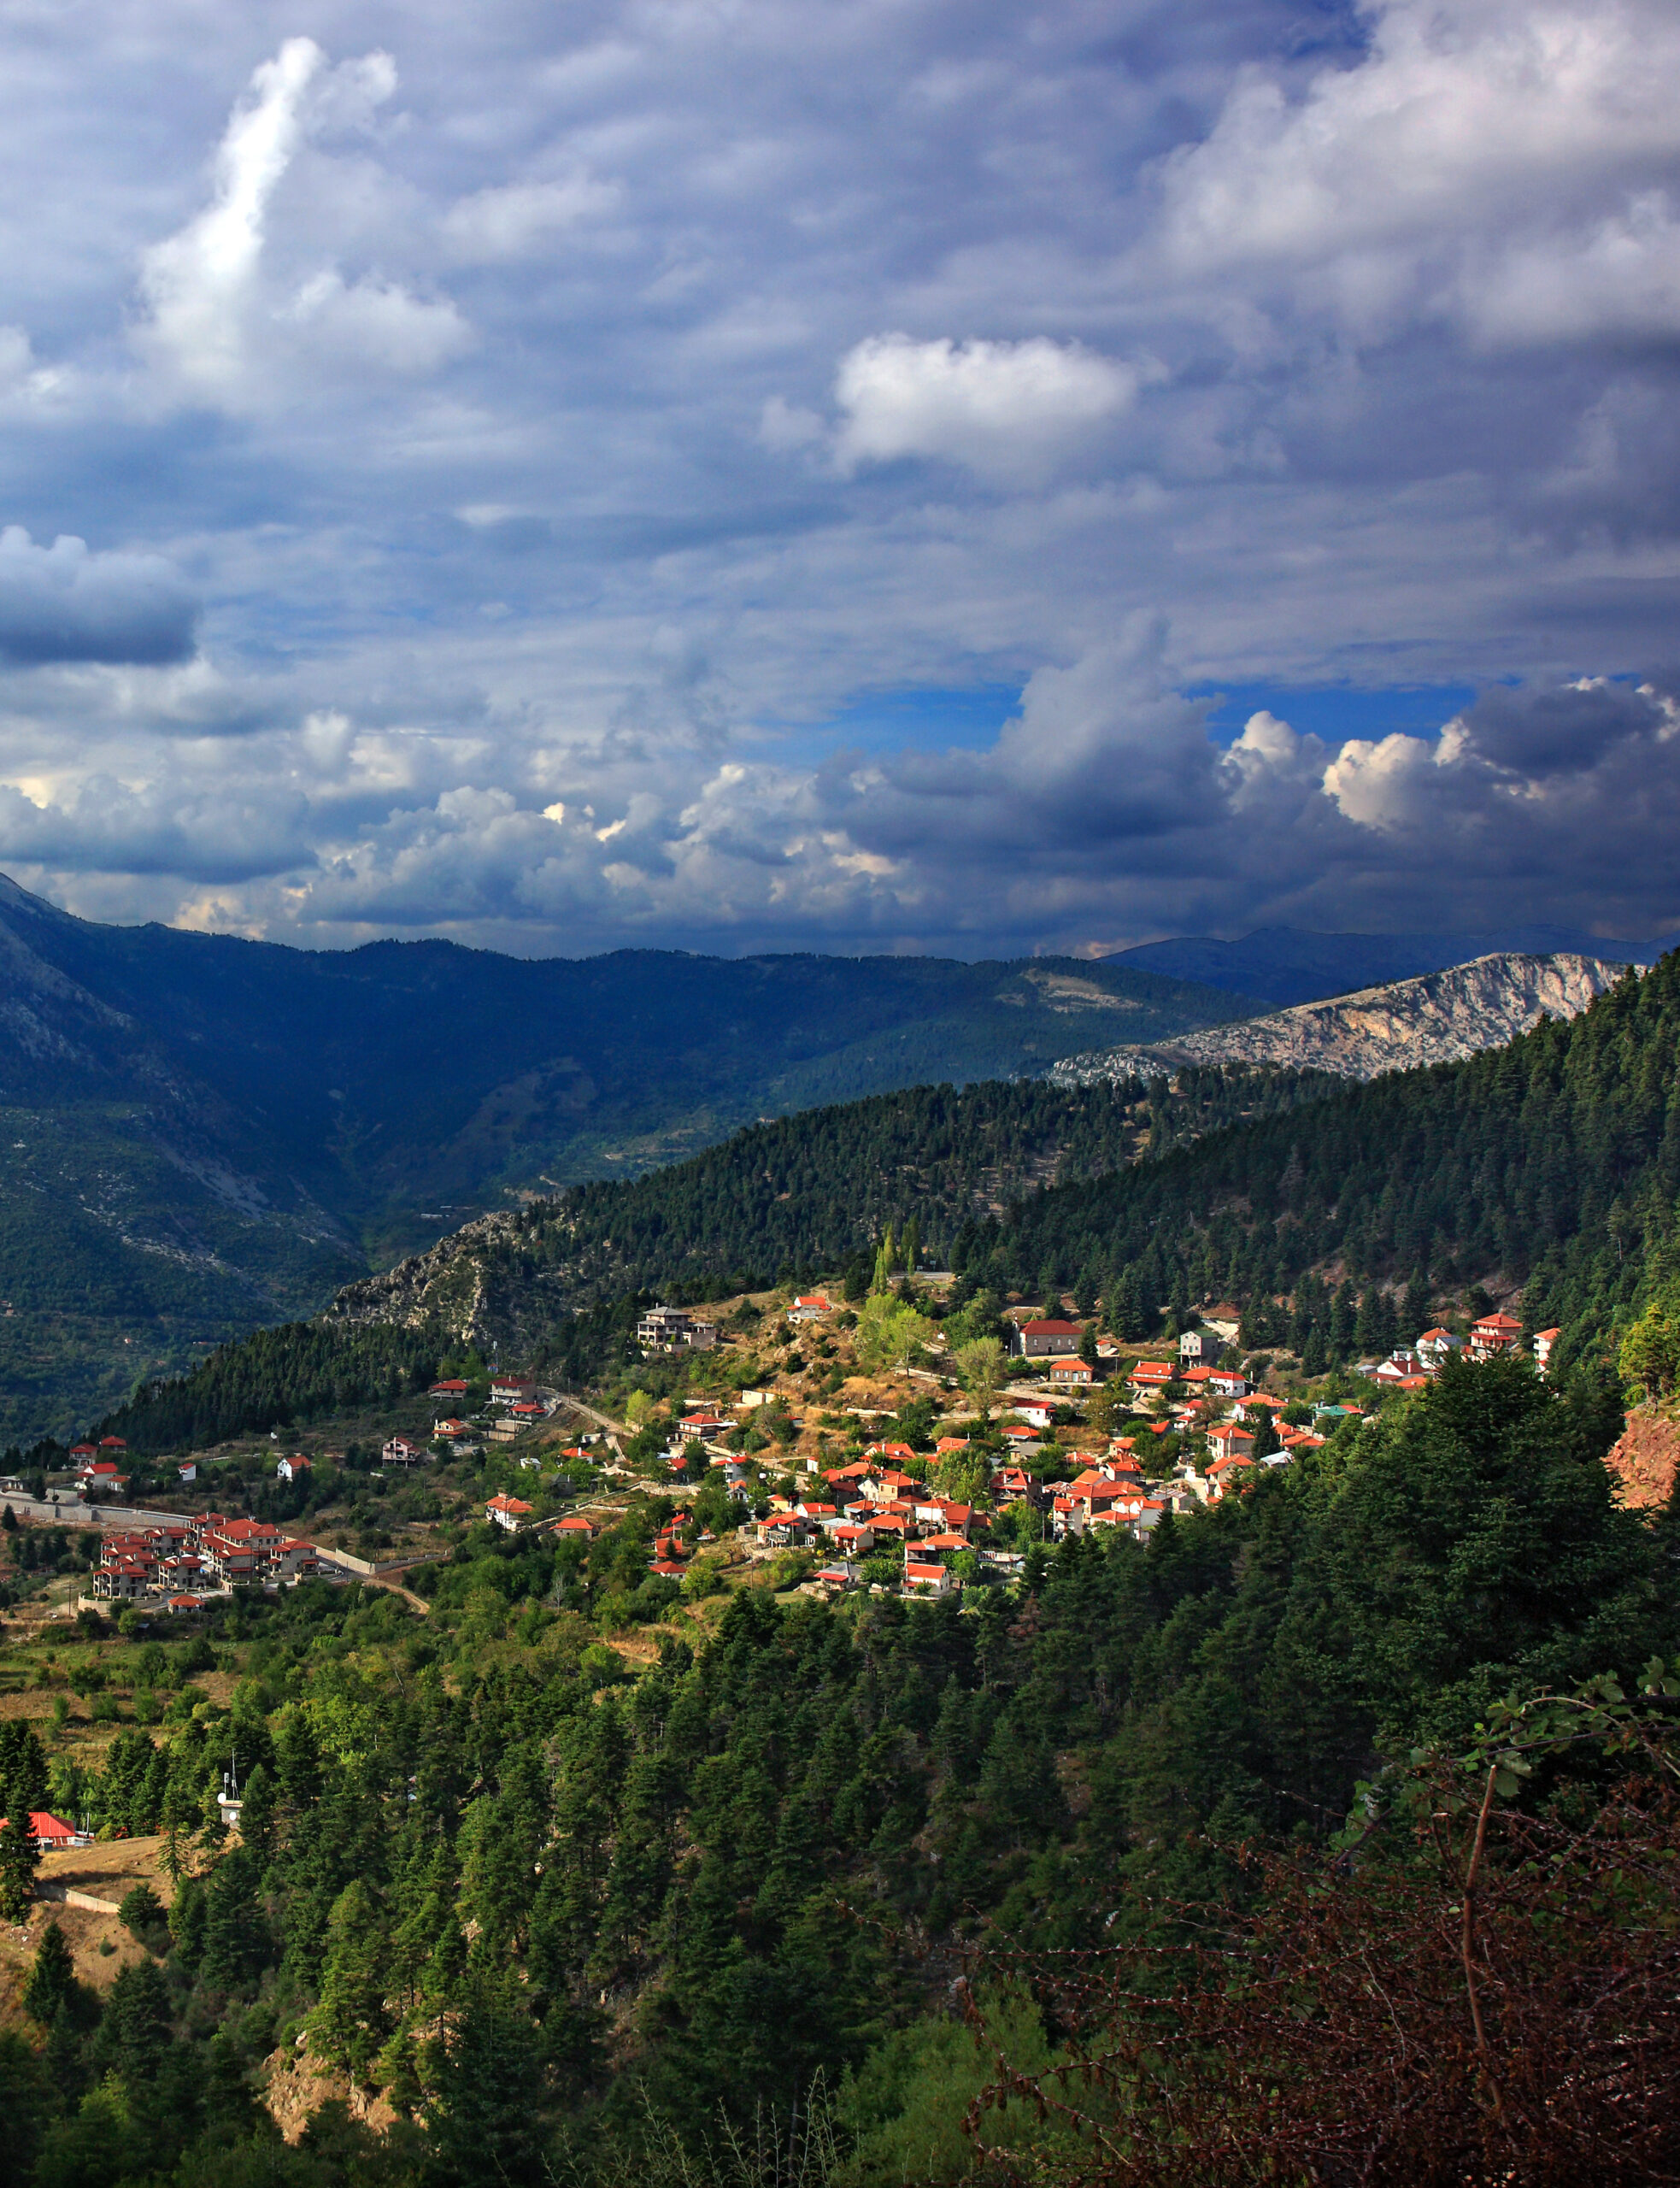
(1540, 734)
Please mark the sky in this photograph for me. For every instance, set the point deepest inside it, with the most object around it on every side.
(851, 475)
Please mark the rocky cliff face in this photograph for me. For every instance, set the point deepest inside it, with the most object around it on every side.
(1440, 1018)
(450, 1285)
(1647, 1460)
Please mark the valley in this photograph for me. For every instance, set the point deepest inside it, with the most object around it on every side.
(216, 1134)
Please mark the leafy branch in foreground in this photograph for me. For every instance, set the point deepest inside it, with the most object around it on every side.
(1482, 1985)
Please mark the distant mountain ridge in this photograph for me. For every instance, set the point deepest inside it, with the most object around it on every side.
(1287, 964)
(200, 1134)
(1438, 1018)
(1499, 1170)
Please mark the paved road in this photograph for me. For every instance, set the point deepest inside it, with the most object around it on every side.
(600, 1419)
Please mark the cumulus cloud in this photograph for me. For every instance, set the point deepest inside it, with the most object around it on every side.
(62, 603)
(103, 827)
(215, 322)
(998, 407)
(1102, 808)
(1495, 162)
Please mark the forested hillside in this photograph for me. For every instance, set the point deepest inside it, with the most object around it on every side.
(1547, 1170)
(556, 1284)
(576, 1923)
(805, 1194)
(1552, 1164)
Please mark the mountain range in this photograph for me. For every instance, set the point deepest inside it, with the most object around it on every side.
(1439, 1018)
(1542, 1172)
(1288, 964)
(204, 1134)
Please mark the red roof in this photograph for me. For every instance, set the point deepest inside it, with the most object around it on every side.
(48, 1830)
(1051, 1329)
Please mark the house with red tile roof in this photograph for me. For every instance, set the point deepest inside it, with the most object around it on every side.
(235, 1551)
(52, 1834)
(509, 1512)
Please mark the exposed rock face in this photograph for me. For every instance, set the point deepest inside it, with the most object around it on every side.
(1440, 1018)
(463, 1285)
(1645, 1460)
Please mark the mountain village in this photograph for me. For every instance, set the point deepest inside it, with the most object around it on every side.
(761, 1463)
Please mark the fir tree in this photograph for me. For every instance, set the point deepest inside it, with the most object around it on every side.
(52, 1977)
(19, 1858)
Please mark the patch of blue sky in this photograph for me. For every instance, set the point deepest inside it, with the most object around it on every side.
(1336, 712)
(925, 720)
